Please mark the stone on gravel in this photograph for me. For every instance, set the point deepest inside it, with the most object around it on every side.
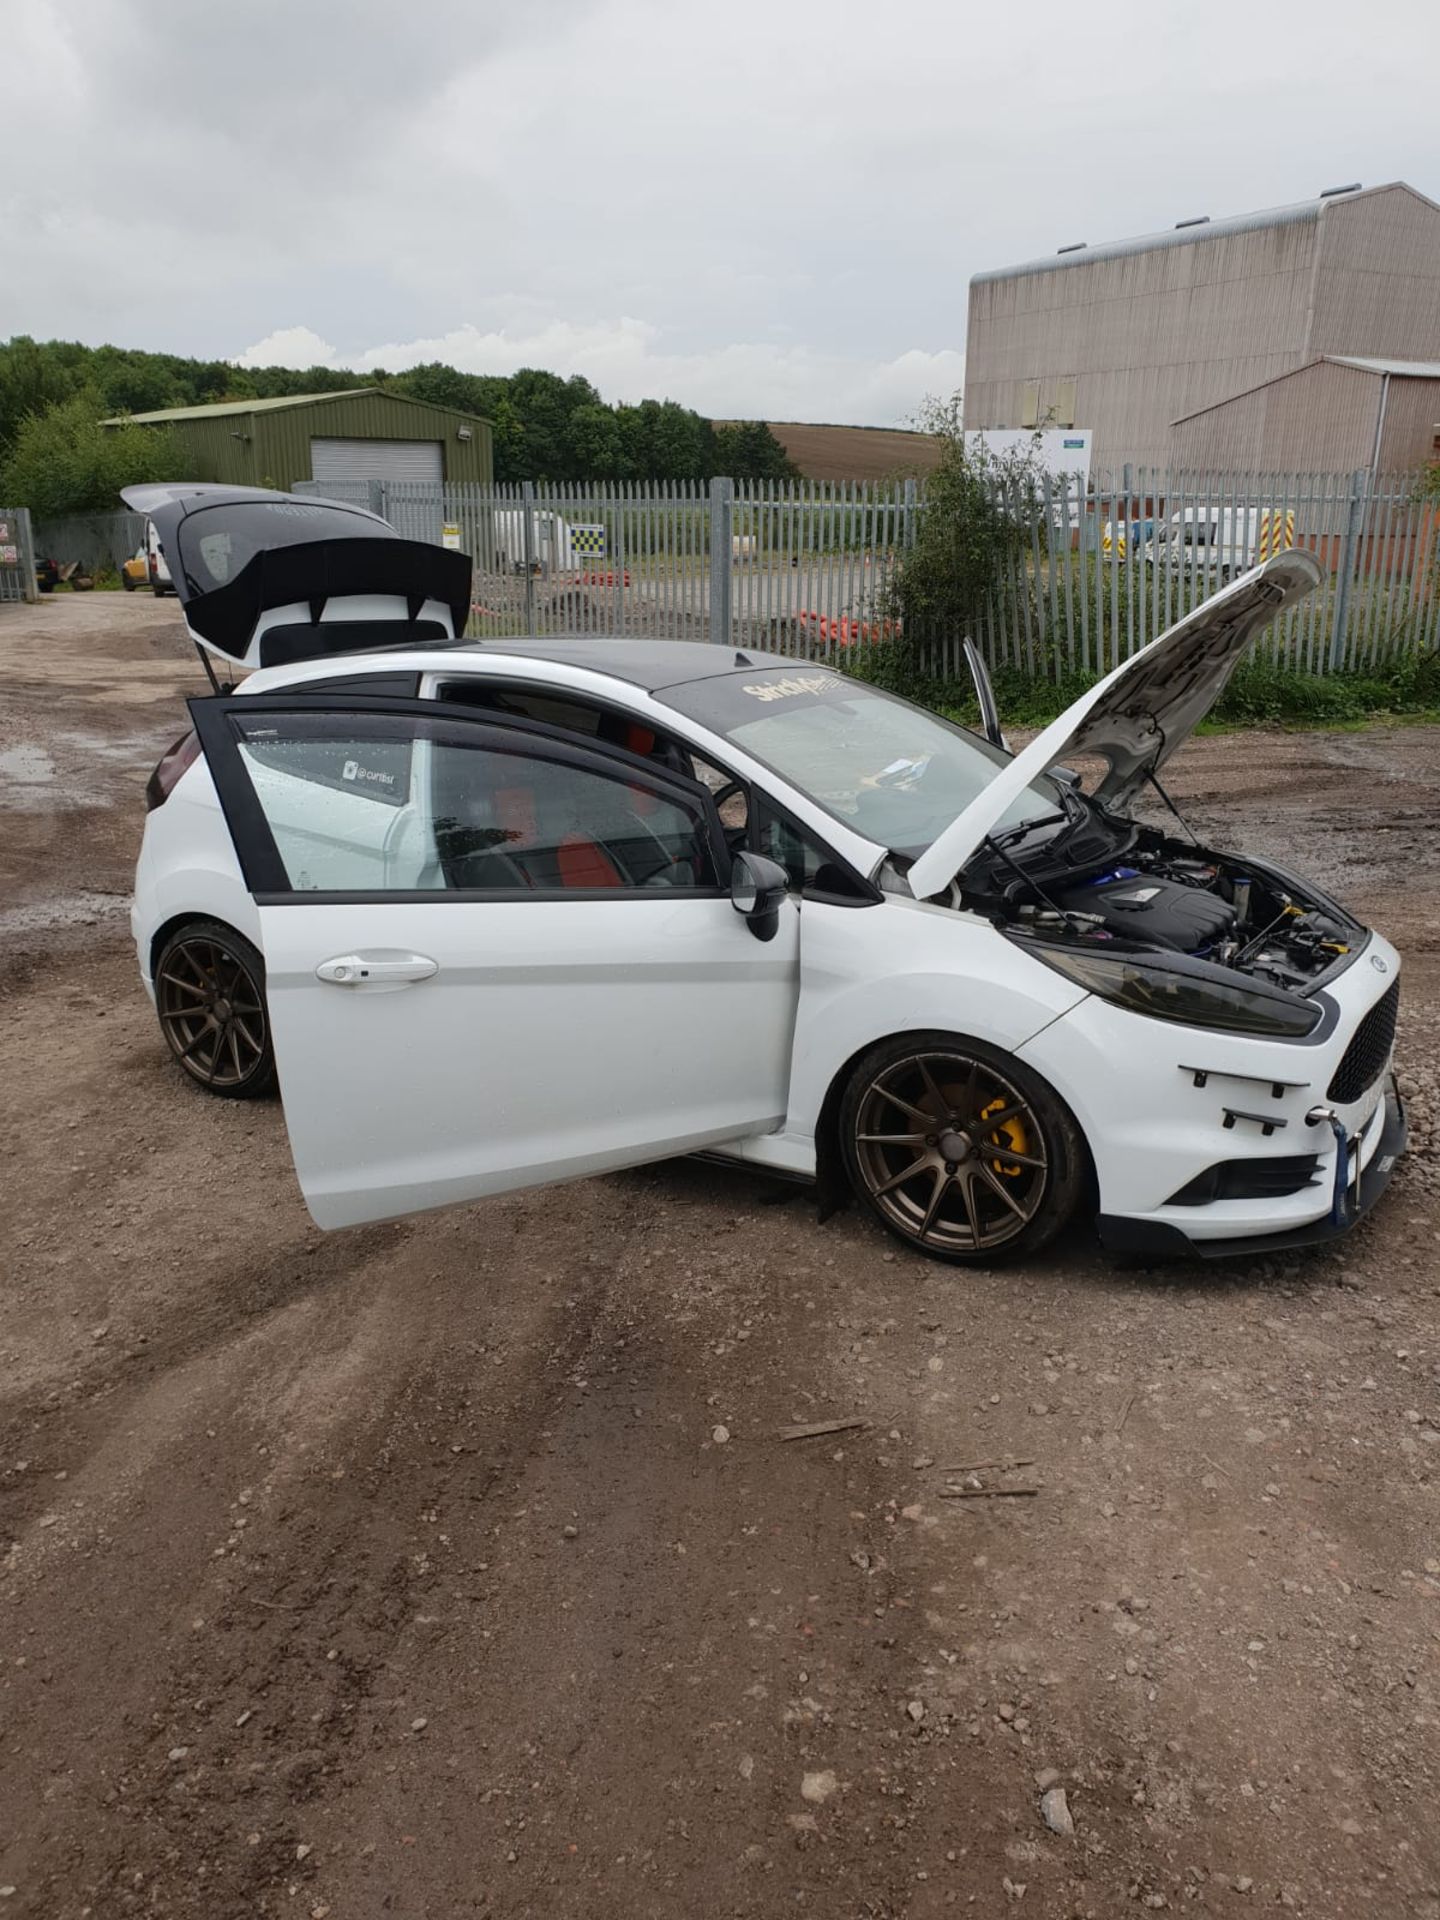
(1046, 1778)
(720, 1435)
(1055, 1812)
(916, 1710)
(419, 1724)
(178, 1753)
(817, 1787)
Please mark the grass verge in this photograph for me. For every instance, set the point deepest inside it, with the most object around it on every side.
(1260, 695)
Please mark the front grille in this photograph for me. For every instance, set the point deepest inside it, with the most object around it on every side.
(1367, 1052)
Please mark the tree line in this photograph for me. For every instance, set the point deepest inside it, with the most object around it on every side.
(55, 457)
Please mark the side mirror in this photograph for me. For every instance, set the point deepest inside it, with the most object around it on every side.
(757, 892)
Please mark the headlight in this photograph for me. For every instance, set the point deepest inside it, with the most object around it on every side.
(1186, 992)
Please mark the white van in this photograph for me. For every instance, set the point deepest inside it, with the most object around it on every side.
(1221, 541)
(155, 567)
(552, 545)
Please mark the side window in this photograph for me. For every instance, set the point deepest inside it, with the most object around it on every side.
(556, 711)
(378, 770)
(779, 840)
(482, 812)
(611, 729)
(337, 803)
(734, 807)
(810, 868)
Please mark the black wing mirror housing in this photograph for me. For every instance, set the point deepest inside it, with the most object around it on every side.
(757, 892)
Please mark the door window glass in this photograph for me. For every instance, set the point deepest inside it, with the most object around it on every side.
(476, 812)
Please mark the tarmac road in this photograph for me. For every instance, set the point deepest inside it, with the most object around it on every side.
(406, 1572)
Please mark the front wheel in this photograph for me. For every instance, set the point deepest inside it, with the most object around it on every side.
(960, 1149)
(210, 996)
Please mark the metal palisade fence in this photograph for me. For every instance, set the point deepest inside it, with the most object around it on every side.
(797, 567)
(1115, 565)
(1095, 569)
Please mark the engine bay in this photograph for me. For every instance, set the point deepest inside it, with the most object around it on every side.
(1166, 895)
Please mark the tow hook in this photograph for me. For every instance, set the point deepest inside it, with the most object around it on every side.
(1340, 1214)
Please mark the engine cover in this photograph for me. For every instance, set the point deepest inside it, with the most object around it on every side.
(1142, 906)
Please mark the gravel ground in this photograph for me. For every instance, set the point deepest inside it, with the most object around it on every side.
(457, 1567)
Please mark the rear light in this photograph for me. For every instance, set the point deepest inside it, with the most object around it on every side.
(161, 784)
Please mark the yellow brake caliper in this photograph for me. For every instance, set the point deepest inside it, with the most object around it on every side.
(1009, 1134)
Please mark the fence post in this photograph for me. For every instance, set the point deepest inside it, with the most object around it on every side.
(527, 549)
(29, 588)
(1354, 525)
(722, 517)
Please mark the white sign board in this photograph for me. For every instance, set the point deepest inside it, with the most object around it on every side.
(1057, 450)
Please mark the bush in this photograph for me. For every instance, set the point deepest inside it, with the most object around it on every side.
(972, 538)
(64, 461)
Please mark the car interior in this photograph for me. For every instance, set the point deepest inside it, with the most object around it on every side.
(746, 825)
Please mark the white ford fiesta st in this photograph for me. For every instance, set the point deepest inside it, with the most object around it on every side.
(505, 914)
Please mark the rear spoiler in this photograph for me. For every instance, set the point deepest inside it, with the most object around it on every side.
(324, 570)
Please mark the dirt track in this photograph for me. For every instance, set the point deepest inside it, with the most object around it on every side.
(399, 1572)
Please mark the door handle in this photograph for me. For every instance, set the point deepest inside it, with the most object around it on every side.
(376, 970)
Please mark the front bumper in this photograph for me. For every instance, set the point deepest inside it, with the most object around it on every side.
(1162, 1239)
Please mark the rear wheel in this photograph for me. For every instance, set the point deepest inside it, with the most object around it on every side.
(210, 996)
(960, 1149)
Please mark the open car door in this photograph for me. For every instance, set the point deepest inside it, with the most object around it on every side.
(495, 956)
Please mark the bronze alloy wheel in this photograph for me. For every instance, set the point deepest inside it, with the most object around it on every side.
(211, 1002)
(952, 1151)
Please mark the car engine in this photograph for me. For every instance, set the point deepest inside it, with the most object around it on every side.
(1166, 894)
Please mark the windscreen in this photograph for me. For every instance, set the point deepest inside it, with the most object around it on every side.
(217, 542)
(894, 772)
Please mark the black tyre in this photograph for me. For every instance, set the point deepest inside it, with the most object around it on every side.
(210, 996)
(127, 583)
(960, 1149)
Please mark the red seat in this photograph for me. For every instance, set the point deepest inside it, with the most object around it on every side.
(583, 864)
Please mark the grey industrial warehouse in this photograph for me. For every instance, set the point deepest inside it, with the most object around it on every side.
(1307, 336)
(362, 434)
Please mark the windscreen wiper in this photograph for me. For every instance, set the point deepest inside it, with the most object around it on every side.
(1018, 832)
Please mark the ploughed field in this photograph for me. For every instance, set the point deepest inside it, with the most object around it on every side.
(459, 1567)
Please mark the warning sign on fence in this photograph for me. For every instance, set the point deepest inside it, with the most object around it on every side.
(588, 539)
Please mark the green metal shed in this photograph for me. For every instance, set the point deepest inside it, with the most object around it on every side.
(365, 433)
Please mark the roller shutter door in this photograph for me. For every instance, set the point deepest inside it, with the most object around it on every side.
(333, 460)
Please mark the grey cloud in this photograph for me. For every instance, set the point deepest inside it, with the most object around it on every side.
(824, 174)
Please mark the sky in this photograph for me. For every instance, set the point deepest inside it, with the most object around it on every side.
(760, 210)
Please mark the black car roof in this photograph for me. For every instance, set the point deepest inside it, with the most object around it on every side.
(649, 664)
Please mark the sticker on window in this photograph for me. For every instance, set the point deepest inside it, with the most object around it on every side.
(367, 776)
(792, 685)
